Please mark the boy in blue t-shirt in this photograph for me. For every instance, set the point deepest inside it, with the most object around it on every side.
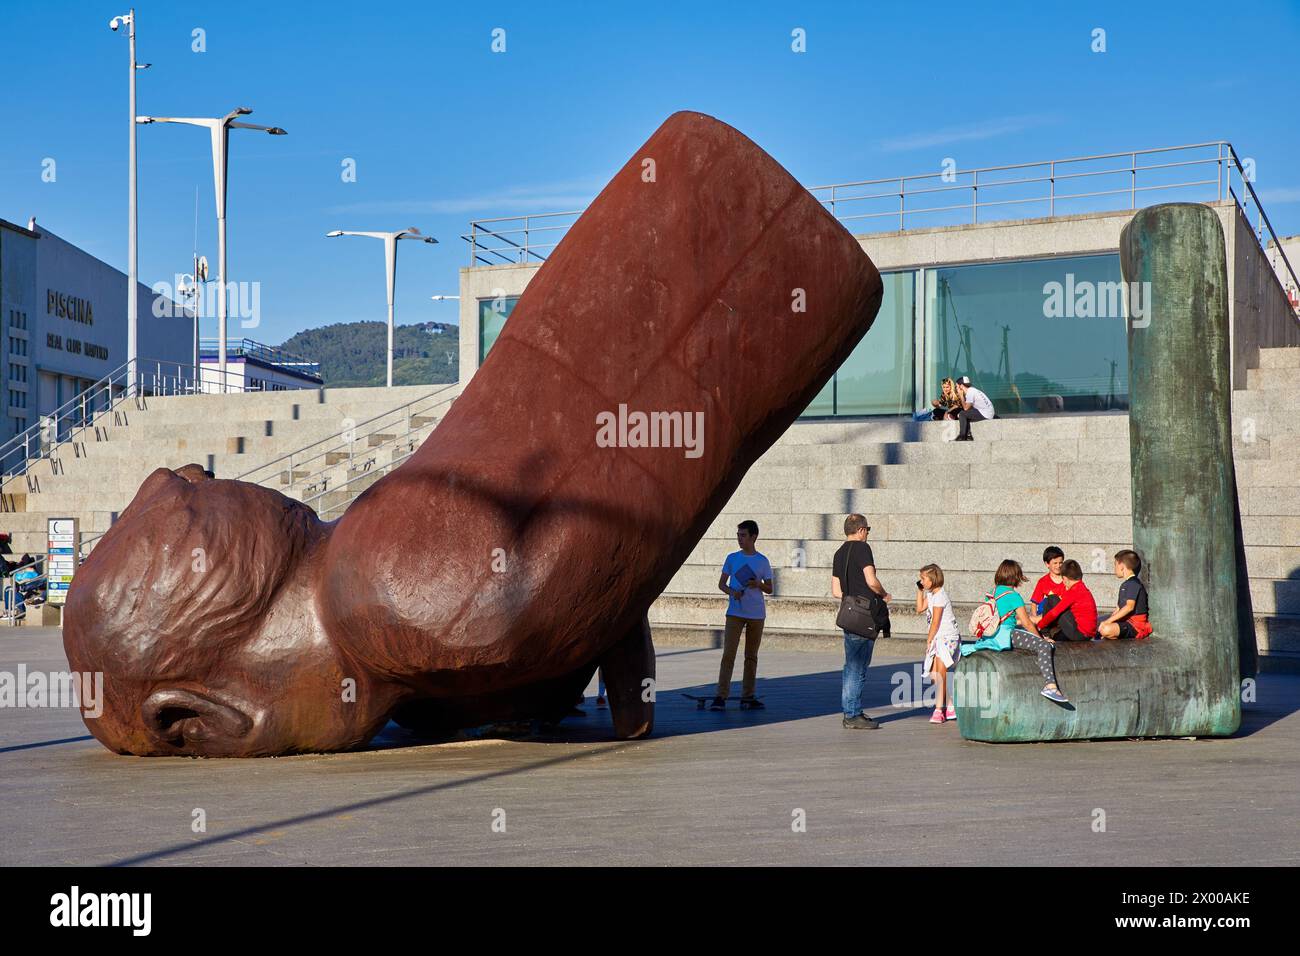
(746, 577)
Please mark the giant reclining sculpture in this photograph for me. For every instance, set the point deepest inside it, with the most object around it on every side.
(489, 575)
(1185, 680)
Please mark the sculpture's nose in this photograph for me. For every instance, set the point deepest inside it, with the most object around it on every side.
(177, 718)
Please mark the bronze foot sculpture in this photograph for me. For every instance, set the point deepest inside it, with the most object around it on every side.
(524, 542)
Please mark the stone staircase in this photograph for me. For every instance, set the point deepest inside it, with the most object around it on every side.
(1023, 484)
(236, 434)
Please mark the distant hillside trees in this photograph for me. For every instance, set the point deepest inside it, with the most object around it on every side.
(352, 353)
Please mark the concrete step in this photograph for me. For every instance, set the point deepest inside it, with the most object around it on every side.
(1272, 377)
(1268, 595)
(1059, 529)
(1046, 474)
(1275, 635)
(816, 583)
(141, 452)
(908, 556)
(1279, 358)
(1073, 501)
(1271, 562)
(1025, 428)
(1259, 400)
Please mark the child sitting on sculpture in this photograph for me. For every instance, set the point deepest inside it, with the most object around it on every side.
(1050, 583)
(1071, 615)
(1129, 620)
(1015, 630)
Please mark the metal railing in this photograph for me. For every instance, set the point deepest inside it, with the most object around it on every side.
(1198, 172)
(134, 382)
(334, 508)
(311, 460)
(270, 354)
(526, 245)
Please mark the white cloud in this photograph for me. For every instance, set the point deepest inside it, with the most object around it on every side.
(965, 133)
(547, 197)
(1280, 195)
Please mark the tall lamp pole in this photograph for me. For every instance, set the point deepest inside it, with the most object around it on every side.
(220, 128)
(390, 260)
(132, 242)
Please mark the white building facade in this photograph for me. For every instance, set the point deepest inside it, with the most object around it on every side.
(65, 326)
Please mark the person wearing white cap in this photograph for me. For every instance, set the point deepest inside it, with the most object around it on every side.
(975, 407)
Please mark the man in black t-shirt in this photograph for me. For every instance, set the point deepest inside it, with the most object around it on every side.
(853, 572)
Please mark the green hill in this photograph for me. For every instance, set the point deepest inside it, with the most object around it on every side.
(352, 353)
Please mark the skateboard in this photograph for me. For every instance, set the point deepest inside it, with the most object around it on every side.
(702, 702)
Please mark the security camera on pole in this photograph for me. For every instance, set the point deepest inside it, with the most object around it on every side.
(220, 128)
(390, 260)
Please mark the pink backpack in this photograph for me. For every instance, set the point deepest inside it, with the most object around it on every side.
(985, 621)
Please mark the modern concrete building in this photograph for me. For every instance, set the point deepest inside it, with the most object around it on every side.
(1031, 308)
(1010, 275)
(1284, 254)
(254, 367)
(64, 315)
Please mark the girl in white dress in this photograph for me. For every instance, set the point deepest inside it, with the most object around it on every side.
(943, 642)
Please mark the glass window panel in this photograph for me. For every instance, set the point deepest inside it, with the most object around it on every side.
(490, 322)
(876, 378)
(824, 403)
(1038, 336)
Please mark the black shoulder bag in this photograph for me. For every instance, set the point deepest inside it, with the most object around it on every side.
(858, 613)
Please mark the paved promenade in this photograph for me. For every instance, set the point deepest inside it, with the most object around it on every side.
(709, 788)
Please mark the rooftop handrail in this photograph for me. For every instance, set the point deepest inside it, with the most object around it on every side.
(494, 241)
(1263, 216)
(272, 354)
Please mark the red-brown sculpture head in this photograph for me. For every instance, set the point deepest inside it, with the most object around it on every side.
(198, 607)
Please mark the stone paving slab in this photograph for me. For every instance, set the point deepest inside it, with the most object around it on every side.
(709, 788)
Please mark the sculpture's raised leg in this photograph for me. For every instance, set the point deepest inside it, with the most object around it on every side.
(629, 668)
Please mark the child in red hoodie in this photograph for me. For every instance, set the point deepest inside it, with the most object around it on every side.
(1074, 613)
(1050, 583)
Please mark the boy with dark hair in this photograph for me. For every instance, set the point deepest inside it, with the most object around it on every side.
(1073, 614)
(746, 577)
(1051, 583)
(1129, 620)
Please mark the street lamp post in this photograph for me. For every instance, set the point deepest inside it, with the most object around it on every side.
(132, 242)
(390, 261)
(220, 128)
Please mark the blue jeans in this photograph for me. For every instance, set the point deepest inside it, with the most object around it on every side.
(857, 658)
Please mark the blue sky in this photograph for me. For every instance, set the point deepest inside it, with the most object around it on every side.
(443, 130)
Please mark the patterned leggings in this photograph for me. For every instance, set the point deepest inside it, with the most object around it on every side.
(1022, 640)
